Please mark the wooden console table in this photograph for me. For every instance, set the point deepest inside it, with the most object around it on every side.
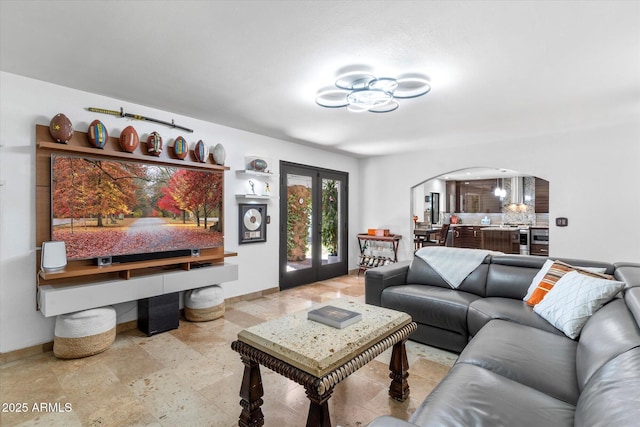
(393, 239)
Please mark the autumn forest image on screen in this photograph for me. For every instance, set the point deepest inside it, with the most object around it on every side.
(109, 208)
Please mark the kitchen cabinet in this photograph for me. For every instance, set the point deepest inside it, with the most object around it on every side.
(539, 241)
(542, 196)
(540, 250)
(451, 196)
(504, 240)
(467, 236)
(474, 196)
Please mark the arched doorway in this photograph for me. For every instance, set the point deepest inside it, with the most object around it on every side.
(473, 198)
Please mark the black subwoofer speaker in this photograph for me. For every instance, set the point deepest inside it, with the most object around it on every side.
(159, 314)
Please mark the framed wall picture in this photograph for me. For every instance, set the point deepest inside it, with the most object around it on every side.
(253, 223)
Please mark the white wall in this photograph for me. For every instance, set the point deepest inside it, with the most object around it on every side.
(26, 102)
(418, 203)
(425, 189)
(594, 177)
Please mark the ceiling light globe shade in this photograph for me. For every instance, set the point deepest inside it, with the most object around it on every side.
(369, 98)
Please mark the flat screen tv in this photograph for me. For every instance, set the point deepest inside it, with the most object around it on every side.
(114, 208)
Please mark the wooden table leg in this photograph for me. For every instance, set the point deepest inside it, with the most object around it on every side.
(251, 393)
(399, 367)
(318, 408)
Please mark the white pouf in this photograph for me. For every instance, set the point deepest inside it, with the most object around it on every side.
(84, 333)
(204, 304)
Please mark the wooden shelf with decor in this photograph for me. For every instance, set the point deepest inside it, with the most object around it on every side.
(363, 238)
(79, 144)
(85, 271)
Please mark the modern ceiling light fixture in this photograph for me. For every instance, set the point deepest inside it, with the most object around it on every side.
(361, 91)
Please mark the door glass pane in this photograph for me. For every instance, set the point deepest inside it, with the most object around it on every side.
(330, 226)
(299, 209)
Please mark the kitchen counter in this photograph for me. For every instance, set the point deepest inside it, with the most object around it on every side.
(500, 228)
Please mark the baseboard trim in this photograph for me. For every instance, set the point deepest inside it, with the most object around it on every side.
(12, 356)
(22, 353)
(126, 326)
(252, 295)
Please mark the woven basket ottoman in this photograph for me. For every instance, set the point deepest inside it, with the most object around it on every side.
(204, 304)
(84, 333)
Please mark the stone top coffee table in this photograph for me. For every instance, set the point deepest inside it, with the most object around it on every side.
(318, 356)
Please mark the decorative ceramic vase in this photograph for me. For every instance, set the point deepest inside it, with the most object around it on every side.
(258, 165)
(201, 152)
(180, 148)
(61, 128)
(219, 154)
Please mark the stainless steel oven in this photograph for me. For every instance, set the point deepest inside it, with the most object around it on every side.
(524, 241)
(540, 236)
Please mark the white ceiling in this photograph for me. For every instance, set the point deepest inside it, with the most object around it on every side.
(499, 70)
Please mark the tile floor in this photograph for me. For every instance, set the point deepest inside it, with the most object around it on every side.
(191, 377)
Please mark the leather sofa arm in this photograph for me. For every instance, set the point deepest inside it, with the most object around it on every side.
(628, 272)
(375, 280)
(387, 421)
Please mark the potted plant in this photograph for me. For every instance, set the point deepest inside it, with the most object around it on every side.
(329, 231)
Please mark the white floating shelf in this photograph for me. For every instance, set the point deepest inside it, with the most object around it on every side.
(254, 173)
(251, 196)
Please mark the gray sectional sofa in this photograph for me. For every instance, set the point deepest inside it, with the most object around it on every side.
(514, 367)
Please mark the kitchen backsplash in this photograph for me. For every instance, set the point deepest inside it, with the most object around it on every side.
(509, 217)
